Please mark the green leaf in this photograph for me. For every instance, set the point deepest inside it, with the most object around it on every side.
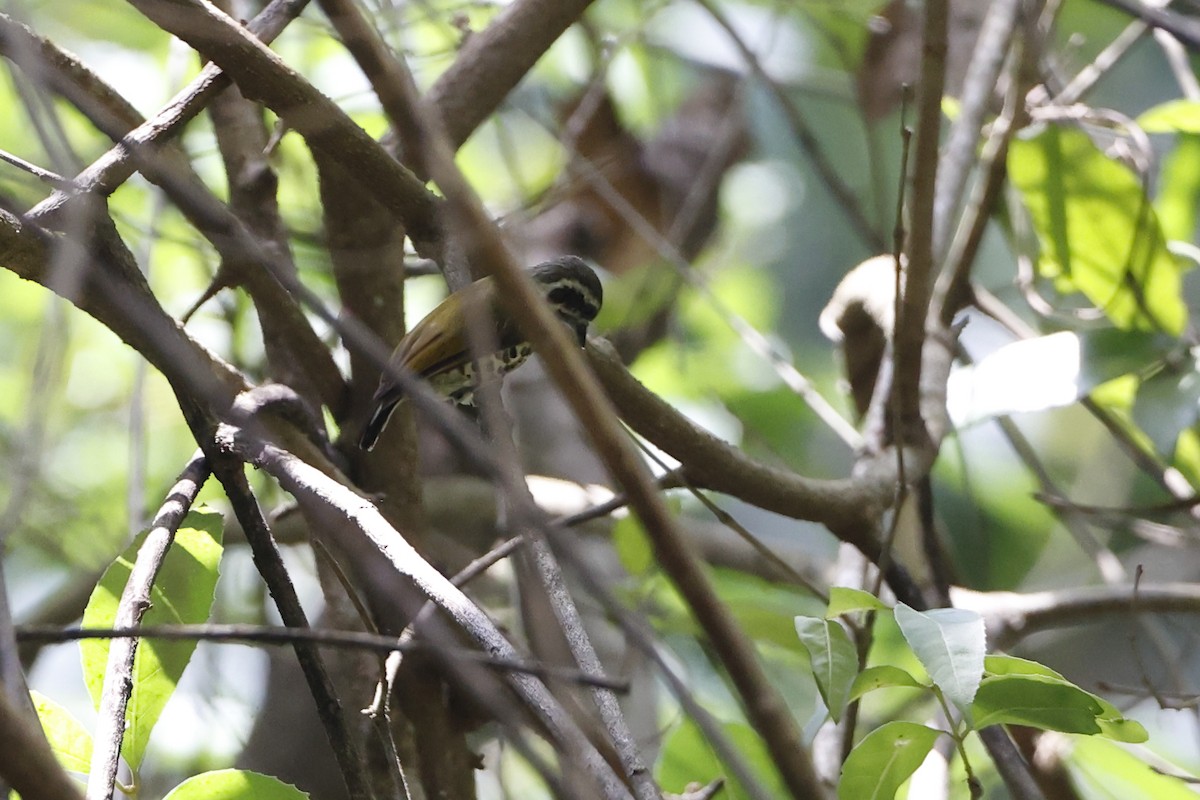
(234, 784)
(636, 296)
(1171, 117)
(883, 676)
(1107, 717)
(632, 545)
(1167, 403)
(1012, 665)
(70, 741)
(1179, 191)
(833, 657)
(1111, 772)
(885, 759)
(686, 756)
(950, 643)
(1098, 232)
(844, 600)
(1037, 701)
(764, 609)
(182, 594)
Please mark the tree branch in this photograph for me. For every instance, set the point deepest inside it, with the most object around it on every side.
(760, 698)
(263, 76)
(350, 525)
(134, 603)
(27, 763)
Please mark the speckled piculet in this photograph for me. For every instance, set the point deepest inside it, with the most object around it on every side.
(438, 350)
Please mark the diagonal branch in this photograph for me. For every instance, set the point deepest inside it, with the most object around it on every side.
(231, 473)
(263, 76)
(760, 698)
(134, 603)
(493, 62)
(351, 525)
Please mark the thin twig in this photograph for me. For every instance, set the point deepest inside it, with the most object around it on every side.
(760, 697)
(352, 525)
(134, 603)
(323, 637)
(435, 155)
(270, 565)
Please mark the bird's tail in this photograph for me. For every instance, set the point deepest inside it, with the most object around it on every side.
(376, 424)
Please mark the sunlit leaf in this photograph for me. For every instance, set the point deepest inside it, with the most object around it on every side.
(234, 784)
(1036, 701)
(1053, 709)
(1179, 191)
(884, 759)
(844, 600)
(1112, 773)
(1098, 232)
(1171, 117)
(950, 643)
(182, 594)
(70, 741)
(632, 545)
(883, 676)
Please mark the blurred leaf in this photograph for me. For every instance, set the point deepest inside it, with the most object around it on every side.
(634, 297)
(234, 784)
(844, 600)
(1179, 191)
(1167, 403)
(883, 677)
(633, 548)
(686, 756)
(833, 658)
(1175, 116)
(950, 643)
(1109, 771)
(764, 609)
(997, 535)
(182, 594)
(1187, 456)
(1098, 233)
(70, 741)
(884, 759)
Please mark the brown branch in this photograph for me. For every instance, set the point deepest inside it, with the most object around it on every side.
(1012, 616)
(764, 706)
(134, 603)
(714, 464)
(910, 325)
(493, 61)
(297, 355)
(101, 283)
(231, 473)
(263, 76)
(334, 639)
(114, 167)
(350, 525)
(27, 764)
(979, 86)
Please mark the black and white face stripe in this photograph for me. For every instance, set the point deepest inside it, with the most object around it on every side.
(573, 291)
(571, 300)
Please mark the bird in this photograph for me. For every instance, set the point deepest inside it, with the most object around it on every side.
(437, 348)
